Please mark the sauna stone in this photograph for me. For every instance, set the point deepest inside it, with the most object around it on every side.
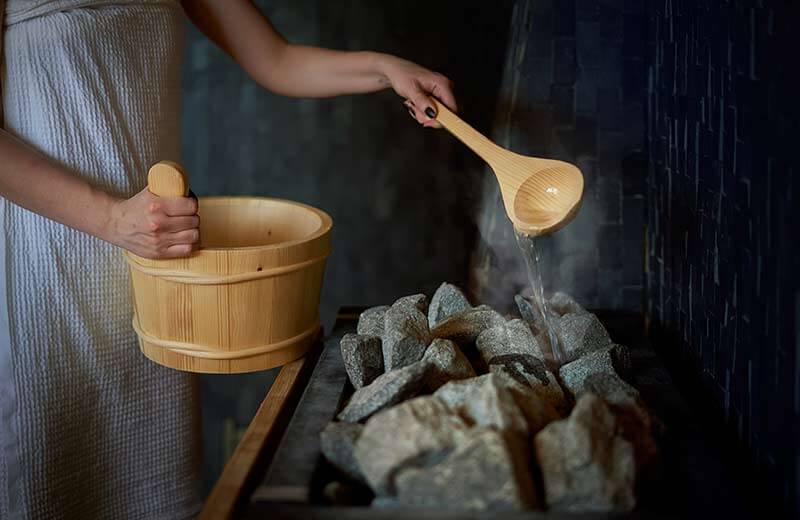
(465, 327)
(531, 315)
(585, 464)
(363, 358)
(446, 301)
(337, 442)
(508, 339)
(538, 412)
(387, 390)
(580, 334)
(447, 363)
(541, 381)
(486, 401)
(406, 334)
(484, 473)
(562, 303)
(613, 359)
(371, 321)
(636, 423)
(418, 432)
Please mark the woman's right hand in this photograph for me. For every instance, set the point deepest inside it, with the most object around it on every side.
(155, 227)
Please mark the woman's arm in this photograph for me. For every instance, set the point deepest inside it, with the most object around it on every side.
(149, 226)
(242, 31)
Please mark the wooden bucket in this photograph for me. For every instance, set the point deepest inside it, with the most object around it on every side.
(248, 299)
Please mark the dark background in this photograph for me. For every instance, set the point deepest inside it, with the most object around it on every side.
(681, 115)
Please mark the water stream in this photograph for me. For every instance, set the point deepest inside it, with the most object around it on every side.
(527, 245)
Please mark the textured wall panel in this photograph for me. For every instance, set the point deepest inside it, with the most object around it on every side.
(722, 197)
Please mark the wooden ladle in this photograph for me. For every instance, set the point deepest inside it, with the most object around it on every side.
(540, 195)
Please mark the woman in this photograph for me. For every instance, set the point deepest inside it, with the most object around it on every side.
(88, 427)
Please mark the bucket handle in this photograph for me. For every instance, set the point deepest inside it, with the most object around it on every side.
(167, 179)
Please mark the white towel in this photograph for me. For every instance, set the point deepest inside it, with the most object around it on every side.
(88, 427)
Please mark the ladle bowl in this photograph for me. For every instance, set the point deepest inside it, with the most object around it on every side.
(540, 195)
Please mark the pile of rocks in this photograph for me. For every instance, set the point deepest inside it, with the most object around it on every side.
(456, 407)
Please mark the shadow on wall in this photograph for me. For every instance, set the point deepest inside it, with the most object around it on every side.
(573, 89)
(401, 226)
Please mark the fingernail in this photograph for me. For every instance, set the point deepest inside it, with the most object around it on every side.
(411, 111)
(430, 112)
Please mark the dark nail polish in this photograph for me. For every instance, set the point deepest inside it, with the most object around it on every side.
(430, 112)
(411, 111)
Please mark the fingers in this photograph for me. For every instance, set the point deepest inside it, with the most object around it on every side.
(420, 105)
(166, 224)
(190, 237)
(177, 207)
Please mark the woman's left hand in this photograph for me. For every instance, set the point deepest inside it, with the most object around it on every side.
(416, 84)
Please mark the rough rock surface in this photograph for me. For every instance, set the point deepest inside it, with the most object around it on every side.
(510, 338)
(419, 432)
(464, 327)
(486, 400)
(580, 334)
(405, 334)
(447, 363)
(387, 390)
(586, 466)
(563, 303)
(538, 412)
(531, 315)
(447, 301)
(363, 358)
(637, 424)
(337, 442)
(370, 322)
(612, 359)
(542, 382)
(484, 473)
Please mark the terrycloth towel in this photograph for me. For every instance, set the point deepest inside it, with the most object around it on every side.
(88, 427)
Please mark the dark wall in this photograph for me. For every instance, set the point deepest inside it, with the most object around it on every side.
(722, 196)
(573, 89)
(401, 225)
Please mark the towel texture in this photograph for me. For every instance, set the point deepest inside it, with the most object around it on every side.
(88, 427)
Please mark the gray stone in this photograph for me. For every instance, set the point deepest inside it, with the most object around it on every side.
(419, 432)
(387, 390)
(363, 358)
(636, 423)
(447, 301)
(541, 381)
(538, 412)
(370, 322)
(531, 315)
(611, 359)
(585, 465)
(405, 334)
(563, 303)
(580, 334)
(509, 338)
(447, 363)
(465, 327)
(486, 472)
(486, 400)
(337, 442)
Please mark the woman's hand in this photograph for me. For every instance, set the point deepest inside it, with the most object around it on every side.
(416, 84)
(155, 227)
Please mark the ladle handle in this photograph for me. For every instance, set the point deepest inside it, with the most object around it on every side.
(476, 141)
(167, 179)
